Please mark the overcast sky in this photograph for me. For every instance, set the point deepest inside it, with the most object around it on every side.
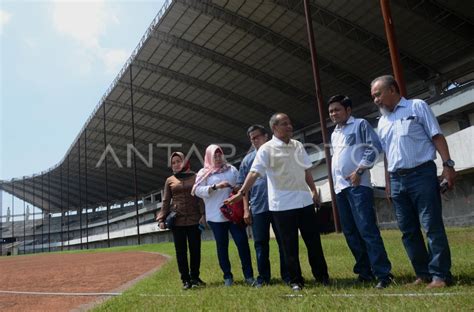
(57, 60)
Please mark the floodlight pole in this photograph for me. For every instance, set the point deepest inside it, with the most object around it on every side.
(135, 183)
(322, 114)
(393, 46)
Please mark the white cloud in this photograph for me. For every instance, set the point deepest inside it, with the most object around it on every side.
(85, 22)
(114, 59)
(5, 18)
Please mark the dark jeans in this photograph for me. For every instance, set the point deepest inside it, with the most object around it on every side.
(417, 203)
(287, 223)
(357, 215)
(261, 236)
(184, 235)
(221, 234)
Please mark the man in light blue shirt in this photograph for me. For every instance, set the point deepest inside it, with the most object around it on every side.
(410, 136)
(257, 213)
(356, 147)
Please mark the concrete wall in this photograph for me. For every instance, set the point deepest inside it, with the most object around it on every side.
(450, 127)
(457, 205)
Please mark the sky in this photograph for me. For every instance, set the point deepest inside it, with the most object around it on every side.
(57, 59)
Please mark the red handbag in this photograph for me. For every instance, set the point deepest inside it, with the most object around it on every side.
(234, 212)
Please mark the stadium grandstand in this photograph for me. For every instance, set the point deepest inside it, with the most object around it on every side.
(205, 70)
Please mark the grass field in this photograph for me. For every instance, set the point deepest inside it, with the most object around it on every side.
(162, 291)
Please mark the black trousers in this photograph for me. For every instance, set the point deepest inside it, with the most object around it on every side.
(288, 223)
(184, 235)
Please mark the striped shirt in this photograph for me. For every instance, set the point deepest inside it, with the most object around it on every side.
(406, 134)
(355, 145)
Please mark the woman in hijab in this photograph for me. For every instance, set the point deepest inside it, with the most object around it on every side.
(189, 214)
(214, 184)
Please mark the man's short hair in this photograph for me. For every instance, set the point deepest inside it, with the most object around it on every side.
(387, 81)
(256, 127)
(274, 120)
(344, 100)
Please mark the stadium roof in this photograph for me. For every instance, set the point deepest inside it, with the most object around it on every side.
(205, 70)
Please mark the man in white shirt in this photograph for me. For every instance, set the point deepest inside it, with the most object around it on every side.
(292, 197)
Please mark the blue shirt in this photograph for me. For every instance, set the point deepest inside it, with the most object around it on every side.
(258, 193)
(354, 145)
(406, 134)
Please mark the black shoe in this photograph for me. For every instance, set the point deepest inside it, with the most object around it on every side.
(187, 285)
(385, 282)
(362, 279)
(324, 281)
(197, 282)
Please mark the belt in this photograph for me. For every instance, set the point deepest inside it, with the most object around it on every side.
(404, 172)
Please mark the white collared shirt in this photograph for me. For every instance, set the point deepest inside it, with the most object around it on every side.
(284, 165)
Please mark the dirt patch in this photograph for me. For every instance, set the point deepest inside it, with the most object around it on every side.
(105, 272)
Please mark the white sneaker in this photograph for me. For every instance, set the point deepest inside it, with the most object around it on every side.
(250, 281)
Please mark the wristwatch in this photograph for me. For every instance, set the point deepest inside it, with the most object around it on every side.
(214, 187)
(449, 163)
(360, 171)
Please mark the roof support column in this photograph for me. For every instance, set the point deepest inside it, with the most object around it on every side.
(106, 178)
(80, 188)
(13, 213)
(68, 203)
(42, 214)
(62, 212)
(320, 107)
(34, 216)
(1, 220)
(393, 46)
(85, 176)
(24, 216)
(135, 182)
(49, 214)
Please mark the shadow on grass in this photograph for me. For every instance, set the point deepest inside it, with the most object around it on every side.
(351, 283)
(399, 280)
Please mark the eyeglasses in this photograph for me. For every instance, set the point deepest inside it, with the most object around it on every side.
(255, 137)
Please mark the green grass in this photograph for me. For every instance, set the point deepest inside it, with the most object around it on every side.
(162, 291)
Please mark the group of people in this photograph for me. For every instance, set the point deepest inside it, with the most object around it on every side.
(277, 189)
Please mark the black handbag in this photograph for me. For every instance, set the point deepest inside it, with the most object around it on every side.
(170, 220)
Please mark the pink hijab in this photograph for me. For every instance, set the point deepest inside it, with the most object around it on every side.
(210, 167)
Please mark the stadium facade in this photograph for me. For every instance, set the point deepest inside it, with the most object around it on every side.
(205, 70)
